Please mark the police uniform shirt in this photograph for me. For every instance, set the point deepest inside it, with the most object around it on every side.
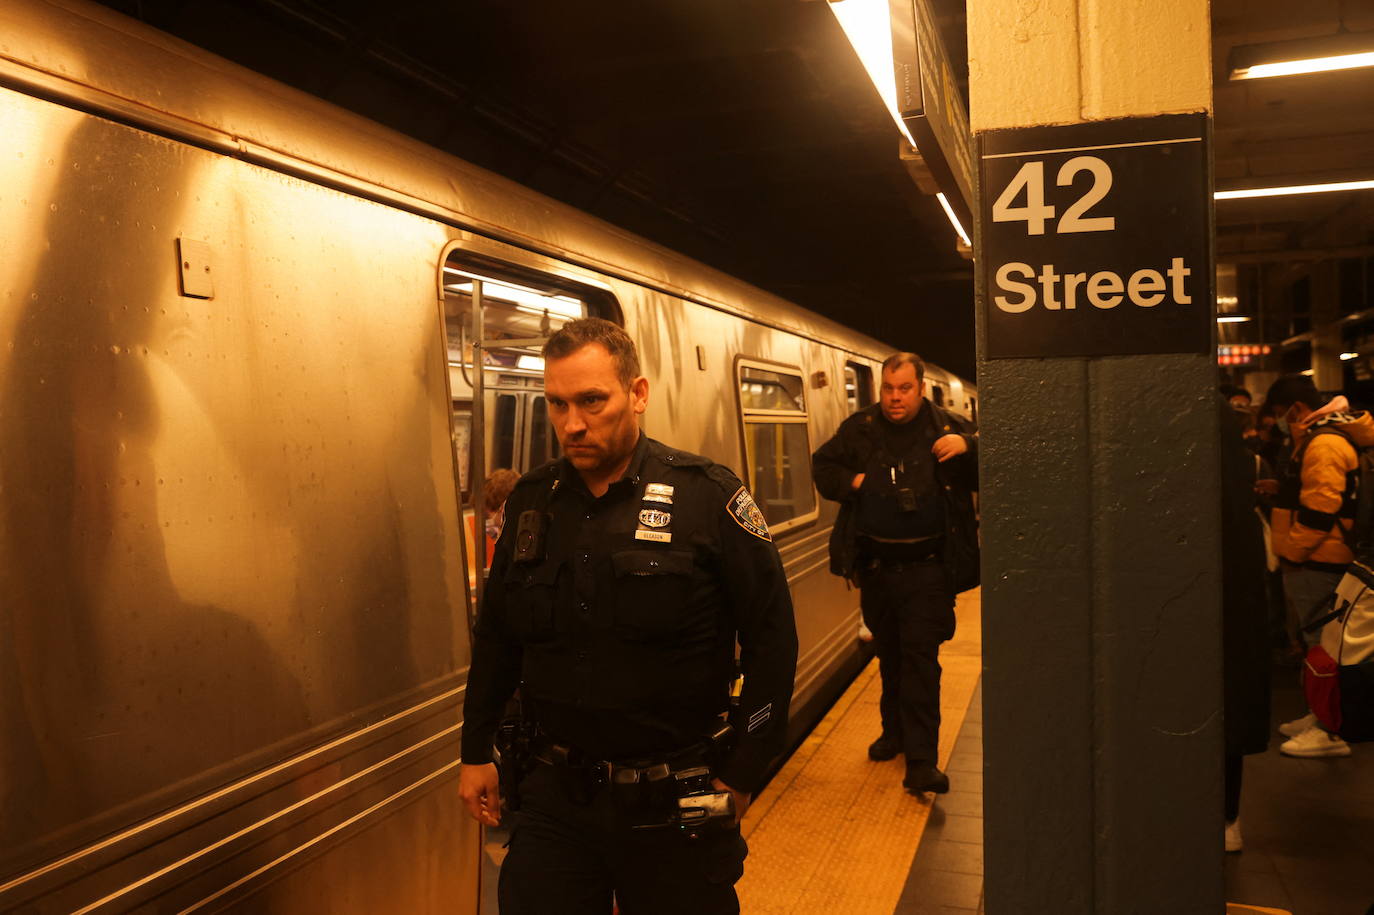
(620, 628)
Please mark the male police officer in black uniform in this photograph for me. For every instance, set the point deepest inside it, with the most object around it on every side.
(624, 574)
(903, 472)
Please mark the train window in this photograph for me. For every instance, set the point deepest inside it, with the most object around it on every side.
(777, 448)
(858, 386)
(937, 394)
(973, 409)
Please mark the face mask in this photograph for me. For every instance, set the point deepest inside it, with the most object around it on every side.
(1282, 424)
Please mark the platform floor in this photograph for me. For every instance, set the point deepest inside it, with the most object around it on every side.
(834, 832)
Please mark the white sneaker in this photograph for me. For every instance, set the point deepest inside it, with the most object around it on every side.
(1297, 725)
(1233, 842)
(1315, 742)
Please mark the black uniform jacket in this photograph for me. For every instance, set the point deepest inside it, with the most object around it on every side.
(624, 646)
(851, 451)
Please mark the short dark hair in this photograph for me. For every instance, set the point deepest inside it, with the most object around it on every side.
(896, 360)
(1290, 389)
(574, 335)
(1234, 390)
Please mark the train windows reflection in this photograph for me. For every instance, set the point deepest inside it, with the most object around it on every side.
(777, 449)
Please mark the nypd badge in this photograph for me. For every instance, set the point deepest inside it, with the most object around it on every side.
(747, 515)
(651, 517)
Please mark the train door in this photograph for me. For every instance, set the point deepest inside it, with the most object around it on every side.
(496, 320)
(777, 447)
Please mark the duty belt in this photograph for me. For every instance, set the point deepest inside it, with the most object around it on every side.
(611, 772)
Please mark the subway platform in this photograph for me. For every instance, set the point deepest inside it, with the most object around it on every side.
(834, 832)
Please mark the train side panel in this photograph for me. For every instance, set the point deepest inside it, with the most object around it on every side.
(234, 629)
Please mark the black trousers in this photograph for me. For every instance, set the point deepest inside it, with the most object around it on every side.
(570, 858)
(909, 608)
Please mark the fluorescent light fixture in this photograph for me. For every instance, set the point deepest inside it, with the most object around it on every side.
(534, 363)
(868, 26)
(1325, 54)
(953, 219)
(1296, 189)
(1346, 357)
(1226, 301)
(522, 297)
(1308, 372)
(1232, 319)
(1311, 65)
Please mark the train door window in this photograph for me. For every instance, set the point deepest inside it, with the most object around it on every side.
(858, 386)
(937, 394)
(523, 306)
(777, 448)
(973, 408)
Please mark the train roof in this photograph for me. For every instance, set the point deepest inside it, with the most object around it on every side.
(97, 60)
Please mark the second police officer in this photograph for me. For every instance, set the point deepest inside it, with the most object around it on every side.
(625, 574)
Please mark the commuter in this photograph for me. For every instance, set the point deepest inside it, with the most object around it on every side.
(903, 471)
(1238, 397)
(1312, 518)
(1244, 614)
(617, 594)
(495, 490)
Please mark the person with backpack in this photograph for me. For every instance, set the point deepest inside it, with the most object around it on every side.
(1313, 521)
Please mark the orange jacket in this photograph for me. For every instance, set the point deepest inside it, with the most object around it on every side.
(1309, 516)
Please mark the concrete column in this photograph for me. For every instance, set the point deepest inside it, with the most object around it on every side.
(1102, 656)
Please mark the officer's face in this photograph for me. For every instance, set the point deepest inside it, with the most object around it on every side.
(901, 393)
(593, 414)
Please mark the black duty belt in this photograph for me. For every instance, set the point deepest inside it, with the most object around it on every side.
(889, 552)
(613, 772)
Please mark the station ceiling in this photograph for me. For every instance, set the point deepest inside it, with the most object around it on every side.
(747, 135)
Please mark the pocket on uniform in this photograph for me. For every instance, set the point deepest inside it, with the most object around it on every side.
(531, 593)
(652, 591)
(723, 857)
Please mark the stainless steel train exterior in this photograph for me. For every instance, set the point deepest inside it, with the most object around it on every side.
(235, 572)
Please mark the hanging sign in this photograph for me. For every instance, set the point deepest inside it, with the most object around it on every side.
(1096, 238)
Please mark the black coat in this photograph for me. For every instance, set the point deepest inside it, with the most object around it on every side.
(847, 454)
(1245, 627)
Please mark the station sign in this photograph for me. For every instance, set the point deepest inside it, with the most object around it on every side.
(1096, 238)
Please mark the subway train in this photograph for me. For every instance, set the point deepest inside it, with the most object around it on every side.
(259, 353)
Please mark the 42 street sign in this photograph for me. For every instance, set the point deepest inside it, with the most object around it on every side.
(1097, 238)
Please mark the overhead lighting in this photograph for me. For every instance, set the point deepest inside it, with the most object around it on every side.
(1346, 357)
(1308, 372)
(954, 220)
(868, 26)
(522, 297)
(1232, 319)
(1226, 301)
(1345, 51)
(534, 363)
(1296, 189)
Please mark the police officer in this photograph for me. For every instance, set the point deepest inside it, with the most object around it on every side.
(624, 575)
(904, 472)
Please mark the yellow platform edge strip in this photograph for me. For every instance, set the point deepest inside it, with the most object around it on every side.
(834, 832)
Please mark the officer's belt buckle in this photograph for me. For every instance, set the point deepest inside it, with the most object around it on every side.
(633, 775)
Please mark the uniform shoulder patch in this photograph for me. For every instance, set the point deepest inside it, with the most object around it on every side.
(747, 515)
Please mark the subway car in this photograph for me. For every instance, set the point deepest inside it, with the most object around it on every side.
(258, 354)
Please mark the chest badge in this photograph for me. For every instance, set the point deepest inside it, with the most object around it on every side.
(659, 492)
(652, 517)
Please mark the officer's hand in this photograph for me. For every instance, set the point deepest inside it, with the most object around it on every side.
(480, 789)
(949, 446)
(855, 483)
(741, 798)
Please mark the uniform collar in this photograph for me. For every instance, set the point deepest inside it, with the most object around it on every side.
(569, 477)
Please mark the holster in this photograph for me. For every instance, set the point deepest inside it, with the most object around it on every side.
(515, 742)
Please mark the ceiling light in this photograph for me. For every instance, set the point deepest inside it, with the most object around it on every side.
(868, 26)
(522, 297)
(536, 363)
(1295, 189)
(954, 220)
(1308, 372)
(1232, 319)
(1227, 300)
(1346, 357)
(1344, 51)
